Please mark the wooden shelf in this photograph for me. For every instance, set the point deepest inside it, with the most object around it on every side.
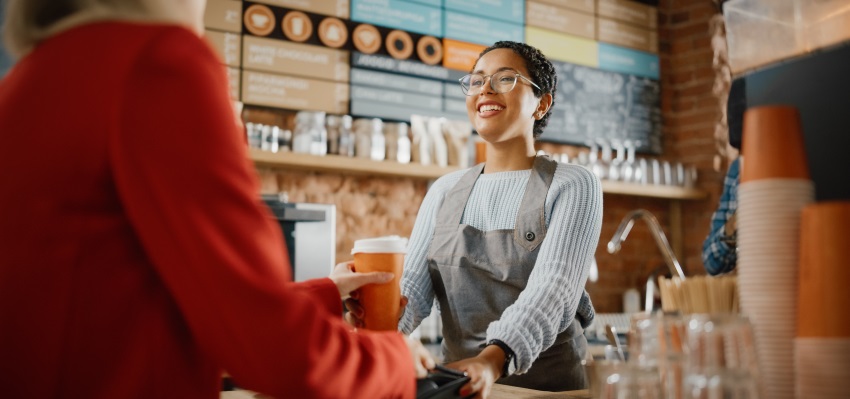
(346, 165)
(640, 190)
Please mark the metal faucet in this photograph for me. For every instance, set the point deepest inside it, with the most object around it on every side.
(657, 233)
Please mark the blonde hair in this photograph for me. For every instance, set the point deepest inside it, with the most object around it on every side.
(27, 22)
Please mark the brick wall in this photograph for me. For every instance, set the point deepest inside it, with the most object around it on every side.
(372, 206)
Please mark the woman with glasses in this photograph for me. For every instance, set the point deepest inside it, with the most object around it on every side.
(136, 260)
(505, 247)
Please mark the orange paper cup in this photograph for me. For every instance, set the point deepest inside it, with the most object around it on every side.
(824, 278)
(773, 145)
(380, 301)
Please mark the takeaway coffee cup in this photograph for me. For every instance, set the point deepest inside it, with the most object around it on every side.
(380, 301)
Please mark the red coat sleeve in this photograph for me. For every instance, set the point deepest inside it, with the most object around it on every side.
(324, 292)
(183, 174)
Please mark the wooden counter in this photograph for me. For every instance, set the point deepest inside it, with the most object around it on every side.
(509, 392)
(499, 392)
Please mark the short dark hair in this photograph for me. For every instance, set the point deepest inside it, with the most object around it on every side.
(541, 70)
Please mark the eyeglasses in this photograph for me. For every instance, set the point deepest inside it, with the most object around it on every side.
(500, 82)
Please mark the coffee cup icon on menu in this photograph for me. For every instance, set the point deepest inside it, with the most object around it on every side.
(259, 20)
(333, 32)
(297, 26)
(367, 39)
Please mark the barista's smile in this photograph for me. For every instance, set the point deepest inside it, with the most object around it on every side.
(489, 108)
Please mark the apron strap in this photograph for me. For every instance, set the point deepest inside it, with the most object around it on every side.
(455, 201)
(530, 228)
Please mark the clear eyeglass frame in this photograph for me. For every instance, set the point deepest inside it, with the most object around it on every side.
(500, 82)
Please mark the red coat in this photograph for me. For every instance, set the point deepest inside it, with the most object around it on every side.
(135, 257)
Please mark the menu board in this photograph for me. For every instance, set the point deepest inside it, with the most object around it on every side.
(593, 104)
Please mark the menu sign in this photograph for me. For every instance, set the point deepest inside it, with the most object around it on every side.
(227, 45)
(629, 11)
(336, 8)
(411, 100)
(406, 67)
(290, 92)
(460, 55)
(235, 79)
(225, 15)
(588, 6)
(474, 29)
(290, 58)
(593, 103)
(561, 20)
(391, 81)
(399, 14)
(612, 31)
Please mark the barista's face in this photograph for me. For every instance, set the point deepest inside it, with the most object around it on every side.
(500, 117)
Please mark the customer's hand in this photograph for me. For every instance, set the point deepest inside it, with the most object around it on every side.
(356, 312)
(348, 281)
(422, 359)
(483, 371)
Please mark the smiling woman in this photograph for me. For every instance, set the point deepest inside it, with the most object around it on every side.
(505, 247)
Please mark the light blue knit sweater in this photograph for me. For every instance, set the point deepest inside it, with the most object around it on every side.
(555, 291)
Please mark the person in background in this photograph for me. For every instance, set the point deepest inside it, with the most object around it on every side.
(720, 248)
(505, 247)
(136, 259)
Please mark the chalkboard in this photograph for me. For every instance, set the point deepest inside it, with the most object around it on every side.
(592, 104)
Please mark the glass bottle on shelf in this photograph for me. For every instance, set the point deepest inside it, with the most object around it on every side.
(284, 141)
(403, 144)
(318, 134)
(346, 137)
(398, 142)
(377, 141)
(302, 138)
(333, 126)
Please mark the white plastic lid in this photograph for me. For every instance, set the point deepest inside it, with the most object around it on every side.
(388, 244)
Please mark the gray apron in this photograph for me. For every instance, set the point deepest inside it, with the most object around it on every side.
(478, 274)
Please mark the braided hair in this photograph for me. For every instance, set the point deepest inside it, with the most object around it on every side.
(542, 73)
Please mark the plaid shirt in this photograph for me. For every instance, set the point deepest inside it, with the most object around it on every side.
(718, 255)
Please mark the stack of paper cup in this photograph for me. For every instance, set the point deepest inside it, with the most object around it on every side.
(822, 347)
(775, 186)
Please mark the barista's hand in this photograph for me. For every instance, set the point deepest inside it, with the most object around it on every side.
(356, 312)
(483, 371)
(348, 281)
(422, 359)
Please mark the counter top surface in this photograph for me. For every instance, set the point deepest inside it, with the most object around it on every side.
(499, 392)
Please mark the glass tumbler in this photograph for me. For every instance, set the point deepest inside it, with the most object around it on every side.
(721, 361)
(622, 380)
(658, 340)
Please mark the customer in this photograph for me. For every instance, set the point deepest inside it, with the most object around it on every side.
(136, 260)
(505, 247)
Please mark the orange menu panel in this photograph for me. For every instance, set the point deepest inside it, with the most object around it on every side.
(460, 56)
